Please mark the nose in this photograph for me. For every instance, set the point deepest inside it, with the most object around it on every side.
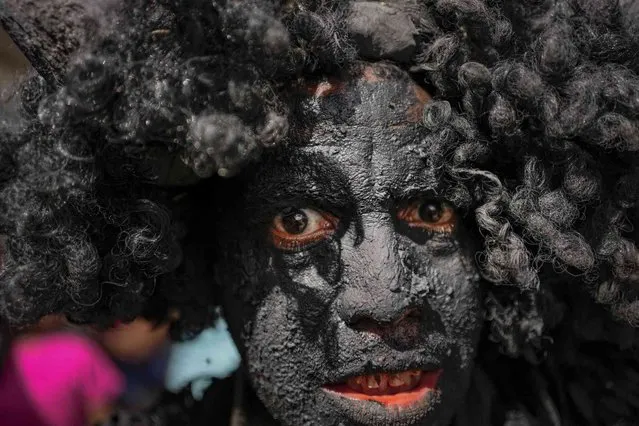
(373, 297)
(406, 322)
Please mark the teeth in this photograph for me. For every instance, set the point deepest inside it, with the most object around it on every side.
(395, 380)
(406, 378)
(382, 383)
(372, 382)
(415, 377)
(355, 383)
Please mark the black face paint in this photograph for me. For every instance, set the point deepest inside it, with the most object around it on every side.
(367, 295)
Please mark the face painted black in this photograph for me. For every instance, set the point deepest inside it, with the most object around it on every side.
(349, 285)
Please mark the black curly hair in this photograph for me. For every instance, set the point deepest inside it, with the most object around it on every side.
(537, 103)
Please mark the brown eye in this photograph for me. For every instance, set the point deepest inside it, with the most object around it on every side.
(294, 221)
(294, 228)
(433, 215)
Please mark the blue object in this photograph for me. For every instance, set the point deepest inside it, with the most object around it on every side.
(211, 355)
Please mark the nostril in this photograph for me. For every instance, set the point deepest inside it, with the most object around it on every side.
(364, 322)
(411, 315)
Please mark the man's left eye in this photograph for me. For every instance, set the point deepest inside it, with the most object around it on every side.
(432, 215)
(295, 228)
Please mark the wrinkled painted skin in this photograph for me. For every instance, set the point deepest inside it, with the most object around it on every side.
(377, 295)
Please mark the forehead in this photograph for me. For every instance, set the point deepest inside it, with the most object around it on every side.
(367, 167)
(383, 160)
(363, 132)
(373, 96)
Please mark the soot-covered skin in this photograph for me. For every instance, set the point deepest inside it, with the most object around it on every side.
(329, 271)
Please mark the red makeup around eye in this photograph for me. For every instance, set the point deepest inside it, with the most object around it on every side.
(293, 229)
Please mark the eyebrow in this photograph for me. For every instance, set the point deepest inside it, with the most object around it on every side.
(295, 177)
(308, 177)
(425, 181)
(332, 135)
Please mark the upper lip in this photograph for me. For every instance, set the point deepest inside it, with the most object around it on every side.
(370, 368)
(429, 355)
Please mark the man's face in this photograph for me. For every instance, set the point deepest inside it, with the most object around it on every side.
(349, 284)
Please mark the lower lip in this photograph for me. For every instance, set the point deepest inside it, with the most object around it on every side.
(407, 399)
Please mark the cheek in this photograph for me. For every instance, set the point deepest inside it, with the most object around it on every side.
(237, 272)
(451, 285)
(309, 280)
(459, 302)
(272, 335)
(267, 292)
(281, 356)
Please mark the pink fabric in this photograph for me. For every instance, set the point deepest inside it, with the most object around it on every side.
(54, 380)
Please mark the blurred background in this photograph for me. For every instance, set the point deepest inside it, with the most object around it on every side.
(59, 374)
(47, 368)
(12, 63)
(13, 67)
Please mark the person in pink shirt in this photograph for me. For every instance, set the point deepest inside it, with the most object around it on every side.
(58, 379)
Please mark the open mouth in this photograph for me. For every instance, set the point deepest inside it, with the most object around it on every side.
(403, 389)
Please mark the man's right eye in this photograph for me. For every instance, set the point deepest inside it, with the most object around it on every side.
(295, 228)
